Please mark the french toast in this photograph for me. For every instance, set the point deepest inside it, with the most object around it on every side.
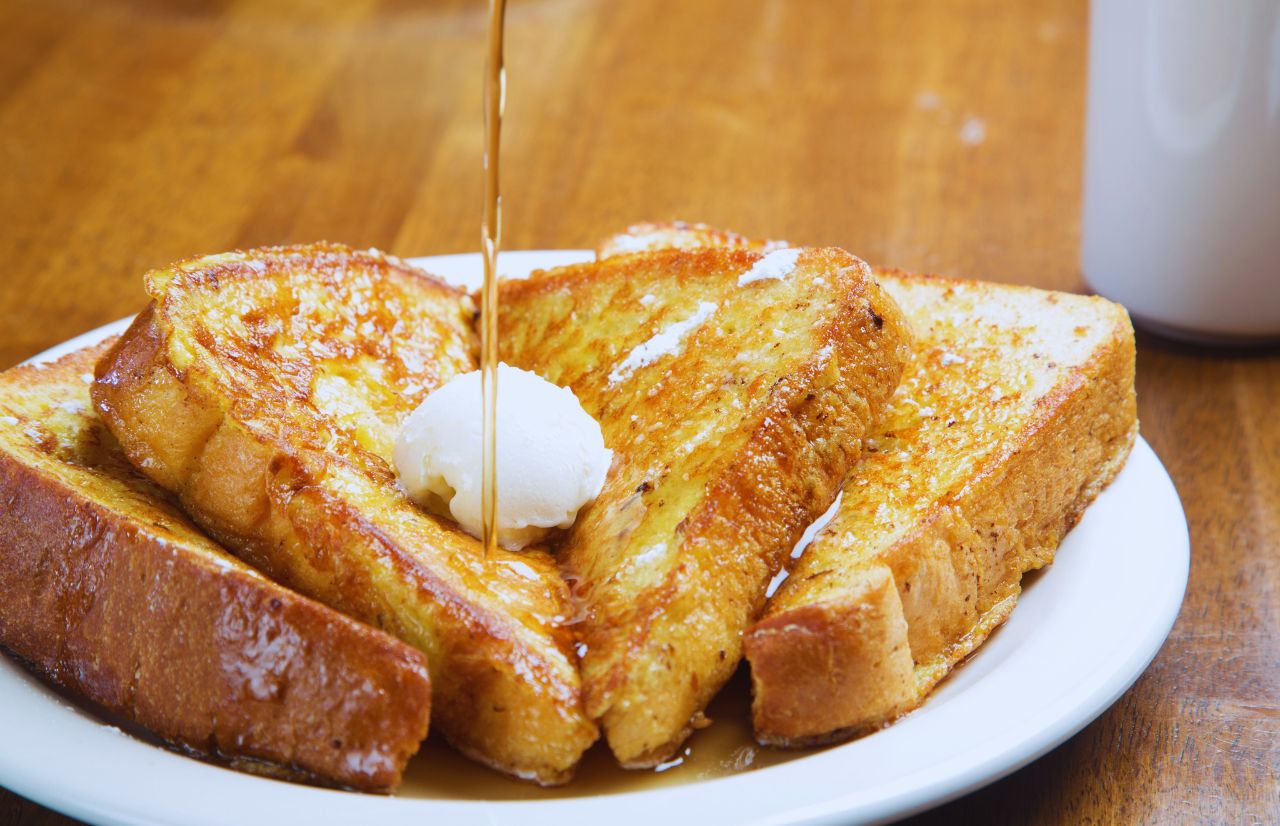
(734, 393)
(648, 236)
(1017, 409)
(108, 591)
(265, 389)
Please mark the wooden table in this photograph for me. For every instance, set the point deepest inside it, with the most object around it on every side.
(940, 136)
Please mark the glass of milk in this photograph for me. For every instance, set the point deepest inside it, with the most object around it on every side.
(1182, 165)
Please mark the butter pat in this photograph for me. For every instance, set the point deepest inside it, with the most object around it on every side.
(551, 458)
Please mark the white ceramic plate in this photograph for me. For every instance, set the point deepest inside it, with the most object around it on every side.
(1081, 634)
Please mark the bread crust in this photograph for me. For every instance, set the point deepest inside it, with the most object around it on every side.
(852, 650)
(108, 592)
(234, 423)
(957, 572)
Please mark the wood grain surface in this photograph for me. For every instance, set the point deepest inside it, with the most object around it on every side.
(940, 136)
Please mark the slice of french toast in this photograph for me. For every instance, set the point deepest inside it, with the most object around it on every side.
(265, 389)
(1017, 409)
(734, 390)
(108, 591)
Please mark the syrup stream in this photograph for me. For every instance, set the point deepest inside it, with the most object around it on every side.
(495, 94)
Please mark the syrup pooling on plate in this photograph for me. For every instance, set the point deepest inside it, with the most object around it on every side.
(495, 93)
(720, 750)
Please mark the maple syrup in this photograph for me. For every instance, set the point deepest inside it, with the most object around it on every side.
(495, 94)
(724, 748)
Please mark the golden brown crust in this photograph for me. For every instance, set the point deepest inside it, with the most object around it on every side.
(109, 592)
(850, 651)
(725, 448)
(958, 560)
(265, 390)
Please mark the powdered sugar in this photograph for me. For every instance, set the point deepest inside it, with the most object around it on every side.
(776, 265)
(663, 343)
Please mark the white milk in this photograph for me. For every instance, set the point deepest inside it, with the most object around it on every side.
(1182, 164)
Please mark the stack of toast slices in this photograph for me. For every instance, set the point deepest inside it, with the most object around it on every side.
(204, 535)
(1016, 410)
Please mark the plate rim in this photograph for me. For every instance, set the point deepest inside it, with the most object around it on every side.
(947, 783)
